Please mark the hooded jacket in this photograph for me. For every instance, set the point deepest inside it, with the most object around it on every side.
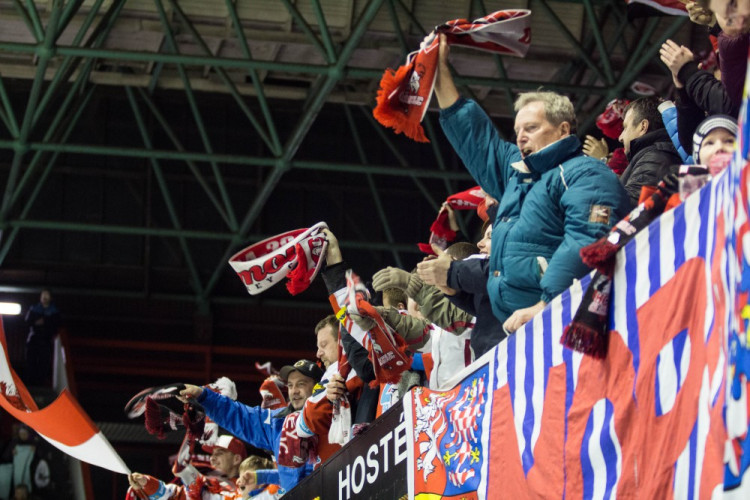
(551, 204)
(652, 156)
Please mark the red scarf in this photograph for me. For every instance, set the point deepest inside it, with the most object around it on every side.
(441, 233)
(405, 93)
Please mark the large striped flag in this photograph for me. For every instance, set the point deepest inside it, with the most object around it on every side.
(63, 423)
(665, 415)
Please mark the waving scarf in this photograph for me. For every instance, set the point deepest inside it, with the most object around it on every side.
(405, 93)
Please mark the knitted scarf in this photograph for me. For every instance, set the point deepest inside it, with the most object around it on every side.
(341, 411)
(441, 233)
(387, 349)
(296, 255)
(589, 331)
(405, 93)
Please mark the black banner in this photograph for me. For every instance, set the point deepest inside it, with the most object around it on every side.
(372, 465)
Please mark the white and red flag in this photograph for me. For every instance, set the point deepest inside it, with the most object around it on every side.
(63, 423)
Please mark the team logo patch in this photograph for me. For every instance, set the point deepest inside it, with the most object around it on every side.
(599, 214)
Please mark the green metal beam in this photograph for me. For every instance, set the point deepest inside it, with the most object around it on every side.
(298, 134)
(62, 114)
(90, 149)
(381, 131)
(70, 63)
(262, 101)
(273, 146)
(191, 164)
(594, 26)
(195, 280)
(228, 210)
(371, 183)
(325, 34)
(307, 30)
(8, 239)
(10, 114)
(571, 39)
(636, 64)
(53, 225)
(20, 149)
(291, 68)
(70, 9)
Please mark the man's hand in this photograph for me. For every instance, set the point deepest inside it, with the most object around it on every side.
(333, 254)
(452, 222)
(247, 481)
(675, 57)
(445, 89)
(335, 388)
(699, 14)
(390, 277)
(137, 481)
(522, 316)
(190, 392)
(435, 271)
(595, 148)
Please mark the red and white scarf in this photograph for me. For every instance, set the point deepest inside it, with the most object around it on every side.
(441, 233)
(405, 93)
(297, 255)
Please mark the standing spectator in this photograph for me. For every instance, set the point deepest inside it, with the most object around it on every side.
(43, 320)
(553, 200)
(271, 430)
(649, 149)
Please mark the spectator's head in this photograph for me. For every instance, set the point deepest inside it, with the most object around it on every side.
(45, 298)
(461, 250)
(300, 379)
(226, 454)
(731, 17)
(394, 297)
(641, 117)
(541, 119)
(485, 243)
(327, 333)
(715, 134)
(247, 480)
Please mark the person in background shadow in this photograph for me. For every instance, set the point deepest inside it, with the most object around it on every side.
(43, 320)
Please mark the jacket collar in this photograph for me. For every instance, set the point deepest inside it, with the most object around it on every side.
(552, 155)
(646, 140)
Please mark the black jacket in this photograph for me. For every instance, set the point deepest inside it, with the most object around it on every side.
(469, 279)
(651, 156)
(706, 91)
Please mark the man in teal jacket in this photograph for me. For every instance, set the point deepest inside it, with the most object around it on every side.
(553, 200)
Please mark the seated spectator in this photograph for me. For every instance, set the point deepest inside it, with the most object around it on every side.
(226, 455)
(651, 154)
(271, 430)
(553, 200)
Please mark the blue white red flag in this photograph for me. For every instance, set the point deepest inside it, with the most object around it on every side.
(665, 415)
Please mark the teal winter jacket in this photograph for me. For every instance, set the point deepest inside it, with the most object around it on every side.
(551, 204)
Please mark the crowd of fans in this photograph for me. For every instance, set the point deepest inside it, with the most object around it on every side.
(543, 199)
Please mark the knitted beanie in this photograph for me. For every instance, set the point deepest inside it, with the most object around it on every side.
(709, 125)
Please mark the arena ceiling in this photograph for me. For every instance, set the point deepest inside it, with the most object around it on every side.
(143, 142)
